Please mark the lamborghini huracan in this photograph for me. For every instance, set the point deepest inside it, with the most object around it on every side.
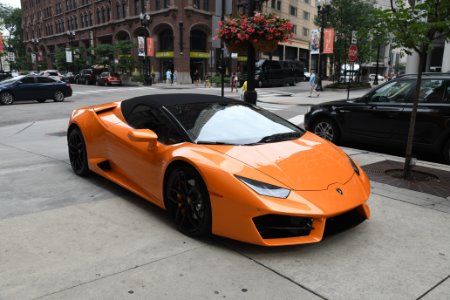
(220, 166)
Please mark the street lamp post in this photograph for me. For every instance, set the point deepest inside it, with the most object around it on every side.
(250, 95)
(145, 22)
(321, 11)
(71, 37)
(35, 42)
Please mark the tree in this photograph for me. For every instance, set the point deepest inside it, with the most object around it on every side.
(104, 53)
(415, 28)
(346, 16)
(123, 52)
(11, 21)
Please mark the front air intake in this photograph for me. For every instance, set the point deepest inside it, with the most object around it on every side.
(281, 226)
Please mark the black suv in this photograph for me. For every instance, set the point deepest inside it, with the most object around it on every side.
(87, 76)
(382, 116)
(274, 72)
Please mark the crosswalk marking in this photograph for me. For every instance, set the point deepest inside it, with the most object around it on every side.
(111, 90)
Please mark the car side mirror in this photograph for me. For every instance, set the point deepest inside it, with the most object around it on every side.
(144, 135)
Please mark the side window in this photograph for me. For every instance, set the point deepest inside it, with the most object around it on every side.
(274, 65)
(145, 117)
(45, 80)
(396, 92)
(27, 80)
(434, 91)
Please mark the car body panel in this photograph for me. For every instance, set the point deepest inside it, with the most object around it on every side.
(141, 168)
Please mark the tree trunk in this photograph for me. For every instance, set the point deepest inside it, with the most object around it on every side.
(412, 122)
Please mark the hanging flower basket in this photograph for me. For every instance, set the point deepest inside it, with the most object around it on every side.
(240, 48)
(265, 45)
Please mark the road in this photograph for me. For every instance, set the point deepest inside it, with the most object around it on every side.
(65, 237)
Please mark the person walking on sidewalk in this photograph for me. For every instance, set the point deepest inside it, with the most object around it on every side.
(243, 90)
(313, 84)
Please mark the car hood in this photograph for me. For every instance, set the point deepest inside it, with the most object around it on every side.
(338, 102)
(307, 163)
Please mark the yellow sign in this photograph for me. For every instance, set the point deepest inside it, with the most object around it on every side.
(196, 54)
(242, 58)
(164, 54)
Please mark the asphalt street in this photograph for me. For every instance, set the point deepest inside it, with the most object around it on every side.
(66, 237)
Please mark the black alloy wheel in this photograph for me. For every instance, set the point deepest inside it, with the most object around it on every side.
(187, 202)
(6, 98)
(327, 129)
(77, 152)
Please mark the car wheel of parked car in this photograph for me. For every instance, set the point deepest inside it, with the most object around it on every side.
(58, 96)
(327, 129)
(187, 201)
(446, 152)
(41, 100)
(6, 98)
(77, 152)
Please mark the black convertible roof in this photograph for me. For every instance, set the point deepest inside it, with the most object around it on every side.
(160, 100)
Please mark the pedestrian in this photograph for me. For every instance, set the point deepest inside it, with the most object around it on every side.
(174, 75)
(168, 75)
(313, 84)
(196, 77)
(243, 89)
(233, 81)
(171, 78)
(208, 81)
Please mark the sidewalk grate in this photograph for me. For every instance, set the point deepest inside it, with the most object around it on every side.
(439, 186)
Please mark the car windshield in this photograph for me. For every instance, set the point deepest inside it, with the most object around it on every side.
(232, 123)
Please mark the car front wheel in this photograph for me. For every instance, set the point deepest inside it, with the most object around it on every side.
(187, 202)
(77, 152)
(327, 129)
(58, 96)
(6, 98)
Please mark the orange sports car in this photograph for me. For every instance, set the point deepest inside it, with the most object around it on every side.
(220, 166)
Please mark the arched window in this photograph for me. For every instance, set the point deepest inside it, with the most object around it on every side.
(103, 15)
(198, 40)
(98, 16)
(166, 40)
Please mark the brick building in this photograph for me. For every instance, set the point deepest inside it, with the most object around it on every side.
(182, 30)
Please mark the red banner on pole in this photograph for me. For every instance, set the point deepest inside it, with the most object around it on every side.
(1, 43)
(150, 48)
(328, 40)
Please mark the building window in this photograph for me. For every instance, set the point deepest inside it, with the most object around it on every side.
(278, 5)
(307, 1)
(293, 10)
(103, 15)
(166, 3)
(272, 3)
(119, 16)
(306, 15)
(124, 10)
(206, 5)
(305, 32)
(196, 3)
(108, 14)
(98, 16)
(166, 40)
(157, 4)
(137, 7)
(198, 41)
(294, 29)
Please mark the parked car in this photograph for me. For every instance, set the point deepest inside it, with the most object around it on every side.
(109, 78)
(52, 74)
(372, 78)
(270, 184)
(69, 77)
(271, 73)
(382, 116)
(87, 76)
(33, 87)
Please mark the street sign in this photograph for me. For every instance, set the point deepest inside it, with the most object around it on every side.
(352, 53)
(354, 39)
(11, 56)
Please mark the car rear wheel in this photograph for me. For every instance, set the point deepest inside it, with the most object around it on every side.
(77, 152)
(327, 129)
(58, 96)
(187, 202)
(6, 98)
(446, 152)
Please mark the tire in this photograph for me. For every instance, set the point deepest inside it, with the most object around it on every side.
(446, 152)
(77, 152)
(187, 202)
(327, 129)
(41, 100)
(58, 96)
(6, 98)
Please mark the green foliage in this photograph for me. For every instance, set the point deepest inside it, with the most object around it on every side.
(124, 47)
(60, 59)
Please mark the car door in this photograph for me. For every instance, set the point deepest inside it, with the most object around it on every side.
(140, 164)
(46, 87)
(376, 115)
(26, 89)
(433, 114)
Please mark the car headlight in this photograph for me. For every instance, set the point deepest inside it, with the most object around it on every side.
(354, 166)
(265, 189)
